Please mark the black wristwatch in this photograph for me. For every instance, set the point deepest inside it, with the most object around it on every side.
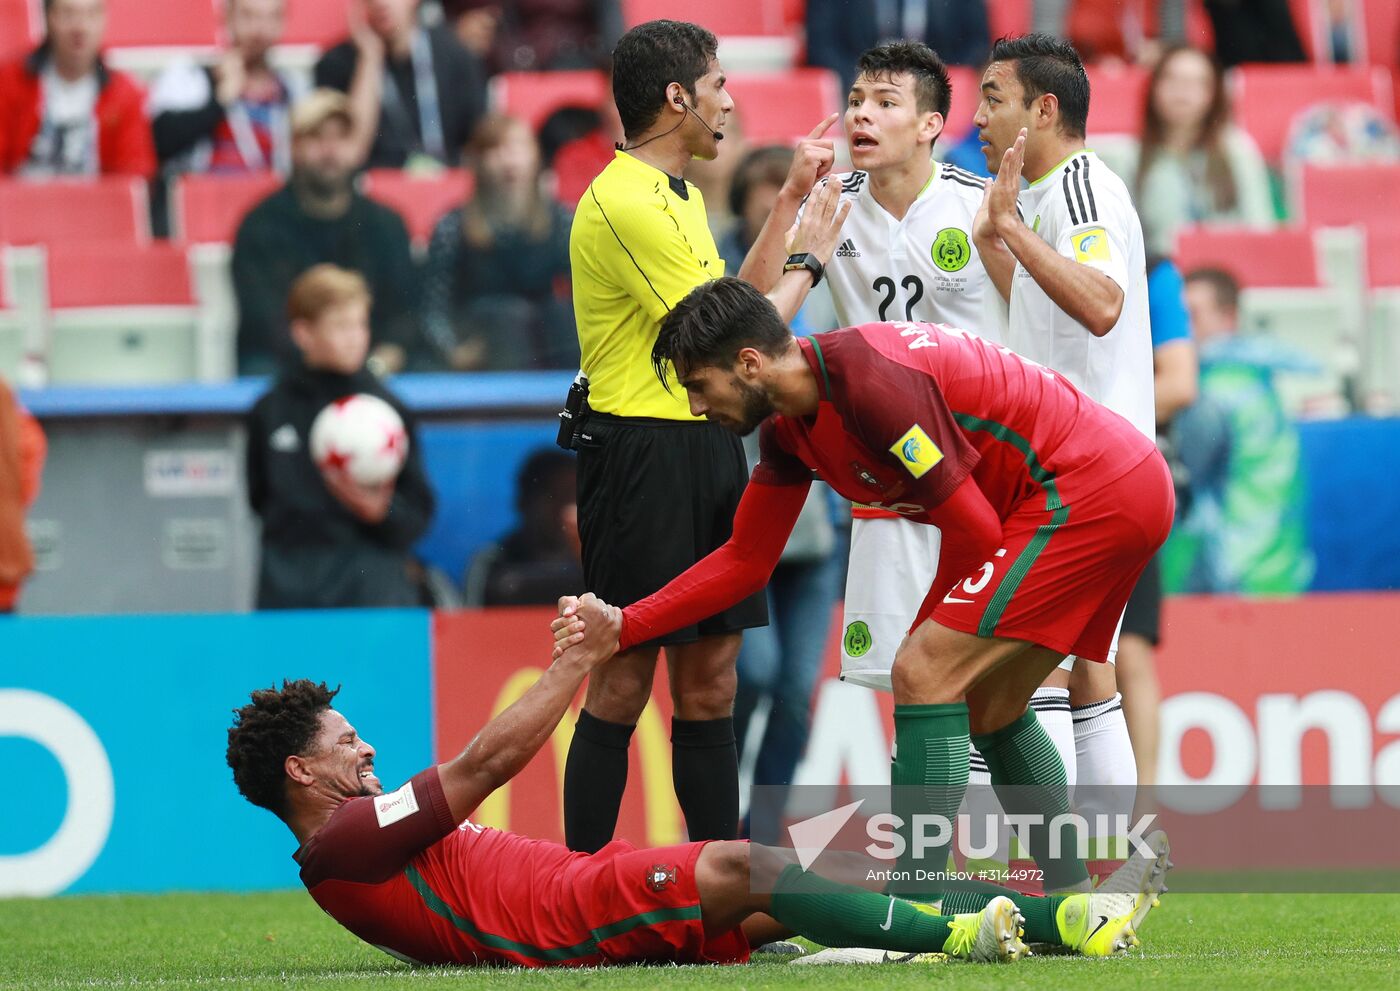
(808, 261)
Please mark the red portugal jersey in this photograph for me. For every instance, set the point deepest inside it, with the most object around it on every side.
(909, 411)
(398, 872)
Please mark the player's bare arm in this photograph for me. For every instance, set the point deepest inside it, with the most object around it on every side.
(1082, 291)
(817, 234)
(997, 259)
(508, 742)
(811, 161)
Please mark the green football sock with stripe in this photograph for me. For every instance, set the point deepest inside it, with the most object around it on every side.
(835, 914)
(1029, 778)
(928, 776)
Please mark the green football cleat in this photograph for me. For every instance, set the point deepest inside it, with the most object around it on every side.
(992, 935)
(1101, 924)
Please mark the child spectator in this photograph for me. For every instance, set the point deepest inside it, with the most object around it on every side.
(328, 541)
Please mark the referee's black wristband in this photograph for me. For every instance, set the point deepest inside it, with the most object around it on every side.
(808, 261)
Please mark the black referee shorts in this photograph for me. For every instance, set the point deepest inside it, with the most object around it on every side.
(654, 497)
(1143, 615)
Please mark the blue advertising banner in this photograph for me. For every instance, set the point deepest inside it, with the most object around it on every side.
(114, 730)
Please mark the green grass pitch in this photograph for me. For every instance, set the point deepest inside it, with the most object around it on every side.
(282, 940)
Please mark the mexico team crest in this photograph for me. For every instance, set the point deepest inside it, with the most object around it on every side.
(660, 875)
(950, 249)
(858, 640)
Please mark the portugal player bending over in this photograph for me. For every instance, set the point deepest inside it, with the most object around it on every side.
(407, 872)
(1050, 506)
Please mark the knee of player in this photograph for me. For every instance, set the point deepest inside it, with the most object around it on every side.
(714, 700)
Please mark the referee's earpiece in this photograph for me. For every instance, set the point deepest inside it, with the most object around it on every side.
(680, 102)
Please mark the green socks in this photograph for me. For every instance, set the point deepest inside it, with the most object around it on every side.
(928, 777)
(1029, 778)
(838, 915)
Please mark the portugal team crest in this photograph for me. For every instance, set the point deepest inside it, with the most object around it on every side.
(858, 640)
(950, 250)
(660, 875)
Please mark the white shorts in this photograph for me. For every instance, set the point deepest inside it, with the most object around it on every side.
(1068, 663)
(893, 562)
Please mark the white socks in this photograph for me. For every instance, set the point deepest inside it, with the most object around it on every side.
(1107, 772)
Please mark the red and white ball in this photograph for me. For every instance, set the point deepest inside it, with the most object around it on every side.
(363, 435)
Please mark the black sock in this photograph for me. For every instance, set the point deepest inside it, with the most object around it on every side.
(595, 776)
(705, 767)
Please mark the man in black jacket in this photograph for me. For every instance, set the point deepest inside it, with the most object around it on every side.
(328, 541)
(320, 217)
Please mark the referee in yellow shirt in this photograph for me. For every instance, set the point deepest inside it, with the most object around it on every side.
(657, 487)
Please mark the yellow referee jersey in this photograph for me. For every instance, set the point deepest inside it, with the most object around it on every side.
(637, 248)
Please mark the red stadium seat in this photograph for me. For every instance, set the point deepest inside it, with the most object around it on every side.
(1268, 97)
(780, 107)
(723, 17)
(1009, 17)
(321, 23)
(533, 96)
(967, 93)
(110, 209)
(1383, 258)
(17, 34)
(1117, 98)
(1284, 258)
(420, 201)
(209, 208)
(179, 23)
(118, 275)
(1341, 195)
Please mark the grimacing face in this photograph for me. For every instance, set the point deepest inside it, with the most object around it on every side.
(722, 396)
(342, 763)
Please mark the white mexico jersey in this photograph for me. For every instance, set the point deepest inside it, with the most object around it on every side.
(921, 268)
(1083, 210)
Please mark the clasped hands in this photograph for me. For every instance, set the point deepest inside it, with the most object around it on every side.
(587, 627)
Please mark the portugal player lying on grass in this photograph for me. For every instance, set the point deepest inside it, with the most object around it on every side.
(1050, 506)
(407, 872)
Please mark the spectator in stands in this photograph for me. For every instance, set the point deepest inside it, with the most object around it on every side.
(318, 216)
(1244, 530)
(1112, 29)
(231, 116)
(497, 273)
(415, 91)
(63, 112)
(328, 541)
(752, 195)
(1254, 31)
(1193, 165)
(838, 31)
(22, 450)
(579, 162)
(530, 35)
(539, 560)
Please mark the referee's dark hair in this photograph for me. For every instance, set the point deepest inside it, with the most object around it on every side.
(1046, 64)
(649, 58)
(931, 85)
(711, 325)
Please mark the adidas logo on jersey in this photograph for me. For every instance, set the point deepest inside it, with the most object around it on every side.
(847, 250)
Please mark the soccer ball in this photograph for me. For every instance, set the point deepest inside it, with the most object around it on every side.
(361, 434)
